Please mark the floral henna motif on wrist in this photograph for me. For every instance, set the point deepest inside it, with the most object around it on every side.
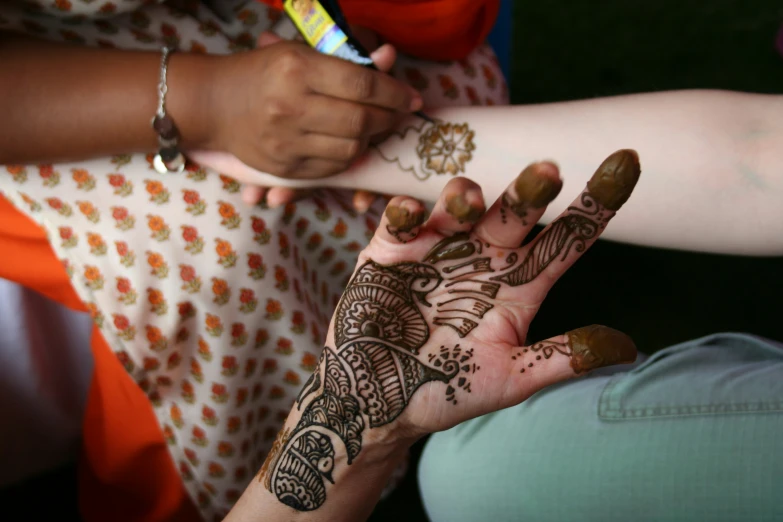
(442, 148)
(445, 148)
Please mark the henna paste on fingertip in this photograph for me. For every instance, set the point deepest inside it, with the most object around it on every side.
(597, 346)
(403, 224)
(614, 181)
(536, 189)
(457, 205)
(531, 189)
(402, 219)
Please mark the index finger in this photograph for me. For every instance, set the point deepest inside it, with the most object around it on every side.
(338, 78)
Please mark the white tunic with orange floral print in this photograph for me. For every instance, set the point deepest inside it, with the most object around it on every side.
(217, 311)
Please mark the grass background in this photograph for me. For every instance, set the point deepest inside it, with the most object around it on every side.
(572, 49)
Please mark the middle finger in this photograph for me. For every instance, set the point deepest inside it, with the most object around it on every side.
(344, 119)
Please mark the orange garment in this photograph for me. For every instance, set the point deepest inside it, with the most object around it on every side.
(118, 449)
(427, 29)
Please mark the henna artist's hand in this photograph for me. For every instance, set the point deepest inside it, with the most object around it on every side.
(306, 148)
(432, 328)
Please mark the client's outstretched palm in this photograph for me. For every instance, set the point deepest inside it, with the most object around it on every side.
(431, 329)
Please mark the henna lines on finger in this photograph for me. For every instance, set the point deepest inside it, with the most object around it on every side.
(368, 378)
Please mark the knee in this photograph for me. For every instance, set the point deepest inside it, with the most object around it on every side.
(504, 466)
(476, 471)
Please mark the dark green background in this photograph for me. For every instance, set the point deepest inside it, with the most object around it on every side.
(574, 49)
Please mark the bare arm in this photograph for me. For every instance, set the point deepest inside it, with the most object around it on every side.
(355, 489)
(713, 163)
(273, 107)
(65, 102)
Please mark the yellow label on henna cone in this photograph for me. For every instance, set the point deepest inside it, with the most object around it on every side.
(315, 24)
(322, 32)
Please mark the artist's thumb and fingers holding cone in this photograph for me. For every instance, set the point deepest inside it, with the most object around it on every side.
(382, 120)
(532, 269)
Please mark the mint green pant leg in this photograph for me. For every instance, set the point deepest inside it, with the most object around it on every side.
(693, 433)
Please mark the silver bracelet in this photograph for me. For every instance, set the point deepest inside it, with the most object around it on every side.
(169, 159)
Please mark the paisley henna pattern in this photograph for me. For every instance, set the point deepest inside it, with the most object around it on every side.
(297, 481)
(380, 329)
(372, 375)
(379, 303)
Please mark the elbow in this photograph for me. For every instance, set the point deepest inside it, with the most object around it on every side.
(760, 166)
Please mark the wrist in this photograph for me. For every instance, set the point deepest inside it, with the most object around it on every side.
(191, 98)
(380, 448)
(384, 449)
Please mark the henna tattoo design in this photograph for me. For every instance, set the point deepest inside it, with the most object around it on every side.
(462, 325)
(458, 246)
(482, 264)
(518, 208)
(274, 455)
(531, 190)
(379, 303)
(447, 356)
(445, 148)
(390, 158)
(568, 231)
(375, 367)
(460, 277)
(571, 231)
(297, 480)
(442, 148)
(548, 348)
(511, 260)
(372, 375)
(545, 349)
(311, 386)
(469, 305)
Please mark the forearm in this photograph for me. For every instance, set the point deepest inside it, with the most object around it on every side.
(352, 496)
(713, 163)
(65, 102)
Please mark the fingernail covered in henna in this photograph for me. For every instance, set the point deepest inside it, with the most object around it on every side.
(597, 346)
(403, 224)
(533, 188)
(615, 179)
(402, 219)
(457, 205)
